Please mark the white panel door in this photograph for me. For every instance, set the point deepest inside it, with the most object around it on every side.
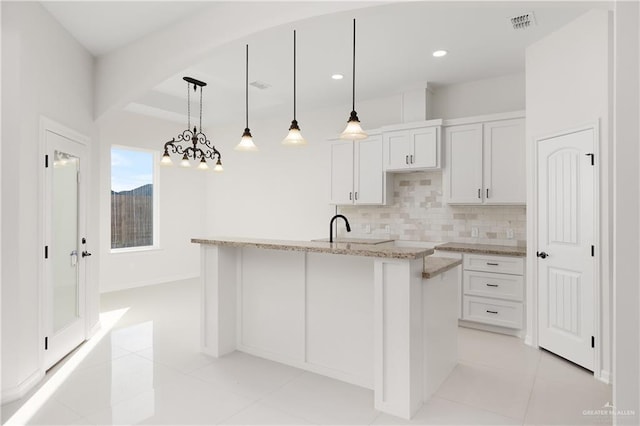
(342, 173)
(464, 164)
(369, 182)
(504, 162)
(398, 147)
(65, 227)
(565, 235)
(425, 148)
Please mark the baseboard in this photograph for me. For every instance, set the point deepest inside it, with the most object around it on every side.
(16, 392)
(138, 284)
(492, 328)
(605, 376)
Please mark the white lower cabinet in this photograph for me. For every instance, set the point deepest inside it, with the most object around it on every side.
(493, 290)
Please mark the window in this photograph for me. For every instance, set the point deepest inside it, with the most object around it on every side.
(134, 201)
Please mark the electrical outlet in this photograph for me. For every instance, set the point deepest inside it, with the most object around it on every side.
(387, 229)
(366, 228)
(509, 234)
(474, 232)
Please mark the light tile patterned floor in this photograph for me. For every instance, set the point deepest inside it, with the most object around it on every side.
(148, 370)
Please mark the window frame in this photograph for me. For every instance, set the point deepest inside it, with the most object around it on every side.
(155, 158)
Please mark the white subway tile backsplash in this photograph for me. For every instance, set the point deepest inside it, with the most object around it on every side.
(417, 212)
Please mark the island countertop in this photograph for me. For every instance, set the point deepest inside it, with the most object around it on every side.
(368, 250)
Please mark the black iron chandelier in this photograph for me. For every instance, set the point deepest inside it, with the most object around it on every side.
(200, 147)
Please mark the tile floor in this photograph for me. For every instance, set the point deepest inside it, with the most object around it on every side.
(148, 370)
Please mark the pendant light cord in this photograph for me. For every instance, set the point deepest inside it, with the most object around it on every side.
(246, 89)
(294, 74)
(353, 96)
(188, 107)
(200, 107)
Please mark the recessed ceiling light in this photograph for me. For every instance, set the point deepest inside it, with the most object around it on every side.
(337, 76)
(439, 53)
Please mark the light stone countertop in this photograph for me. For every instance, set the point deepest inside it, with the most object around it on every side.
(368, 250)
(483, 249)
(434, 265)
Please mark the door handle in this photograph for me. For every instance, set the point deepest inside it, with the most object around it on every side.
(356, 195)
(406, 159)
(542, 255)
(492, 285)
(351, 196)
(85, 253)
(479, 193)
(411, 158)
(487, 192)
(492, 312)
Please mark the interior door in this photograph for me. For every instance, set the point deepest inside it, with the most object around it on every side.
(65, 254)
(565, 236)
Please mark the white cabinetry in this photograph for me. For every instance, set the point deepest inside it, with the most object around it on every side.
(357, 176)
(412, 148)
(485, 162)
(493, 290)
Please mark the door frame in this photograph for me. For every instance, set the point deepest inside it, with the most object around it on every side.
(47, 124)
(602, 253)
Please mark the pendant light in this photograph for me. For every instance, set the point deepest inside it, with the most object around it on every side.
(198, 146)
(246, 143)
(294, 138)
(353, 131)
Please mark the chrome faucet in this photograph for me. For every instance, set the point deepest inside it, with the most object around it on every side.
(346, 222)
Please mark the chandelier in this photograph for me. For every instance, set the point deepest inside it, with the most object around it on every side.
(197, 146)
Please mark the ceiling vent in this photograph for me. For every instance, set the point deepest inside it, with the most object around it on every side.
(260, 85)
(524, 21)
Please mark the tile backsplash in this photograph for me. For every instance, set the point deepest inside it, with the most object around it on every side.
(417, 212)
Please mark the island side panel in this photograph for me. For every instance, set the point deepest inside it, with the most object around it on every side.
(219, 287)
(272, 309)
(440, 315)
(398, 337)
(339, 307)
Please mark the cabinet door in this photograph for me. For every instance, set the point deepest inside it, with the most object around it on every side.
(397, 148)
(426, 151)
(342, 173)
(369, 182)
(504, 162)
(463, 181)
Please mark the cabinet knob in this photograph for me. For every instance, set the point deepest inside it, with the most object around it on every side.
(356, 195)
(479, 193)
(411, 158)
(406, 159)
(487, 192)
(350, 195)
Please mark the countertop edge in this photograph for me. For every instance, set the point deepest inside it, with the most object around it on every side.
(365, 250)
(502, 251)
(447, 264)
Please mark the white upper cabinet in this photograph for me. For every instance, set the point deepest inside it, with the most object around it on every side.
(412, 149)
(357, 176)
(485, 163)
(504, 162)
(464, 164)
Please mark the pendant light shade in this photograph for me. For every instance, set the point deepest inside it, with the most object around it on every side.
(246, 143)
(353, 131)
(294, 138)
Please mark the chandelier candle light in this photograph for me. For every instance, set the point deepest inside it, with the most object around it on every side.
(201, 148)
(294, 138)
(353, 131)
(246, 143)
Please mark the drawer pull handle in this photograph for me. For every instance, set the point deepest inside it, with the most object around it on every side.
(492, 312)
(492, 285)
(492, 264)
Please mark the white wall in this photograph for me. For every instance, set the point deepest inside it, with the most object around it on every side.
(283, 192)
(182, 208)
(568, 81)
(626, 392)
(488, 96)
(44, 72)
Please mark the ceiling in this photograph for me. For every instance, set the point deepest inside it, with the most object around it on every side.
(394, 46)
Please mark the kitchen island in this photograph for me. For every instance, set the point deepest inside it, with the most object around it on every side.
(361, 313)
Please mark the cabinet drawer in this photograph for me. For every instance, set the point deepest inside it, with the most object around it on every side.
(489, 284)
(499, 264)
(491, 311)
